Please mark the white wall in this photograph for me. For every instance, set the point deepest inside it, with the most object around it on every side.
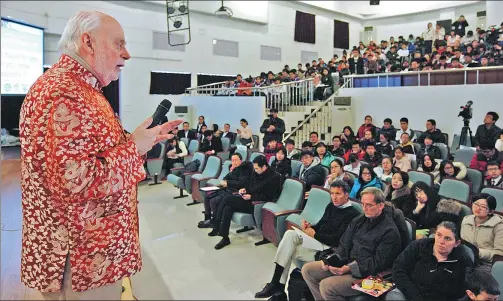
(140, 19)
(421, 103)
(416, 24)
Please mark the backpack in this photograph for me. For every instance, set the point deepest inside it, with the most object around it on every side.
(297, 287)
(192, 166)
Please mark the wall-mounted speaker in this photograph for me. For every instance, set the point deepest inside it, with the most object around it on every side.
(374, 2)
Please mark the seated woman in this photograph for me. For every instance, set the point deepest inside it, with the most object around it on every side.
(431, 268)
(386, 170)
(347, 137)
(366, 139)
(425, 201)
(245, 133)
(398, 193)
(384, 147)
(200, 135)
(325, 157)
(429, 165)
(401, 161)
(211, 144)
(176, 151)
(337, 173)
(428, 149)
(367, 178)
(282, 164)
(484, 229)
(449, 169)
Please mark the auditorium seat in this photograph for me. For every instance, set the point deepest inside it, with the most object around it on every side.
(296, 164)
(182, 181)
(476, 177)
(443, 150)
(498, 194)
(411, 227)
(271, 160)
(455, 189)
(497, 272)
(154, 165)
(224, 171)
(256, 142)
(342, 160)
(226, 144)
(455, 143)
(274, 214)
(417, 147)
(416, 176)
(464, 155)
(198, 180)
(185, 141)
(255, 155)
(413, 165)
(316, 203)
(243, 151)
(191, 149)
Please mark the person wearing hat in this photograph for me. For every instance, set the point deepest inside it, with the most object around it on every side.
(484, 229)
(272, 127)
(211, 144)
(311, 170)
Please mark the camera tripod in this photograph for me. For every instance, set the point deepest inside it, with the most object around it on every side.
(465, 133)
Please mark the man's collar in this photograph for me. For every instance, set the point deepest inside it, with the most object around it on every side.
(83, 69)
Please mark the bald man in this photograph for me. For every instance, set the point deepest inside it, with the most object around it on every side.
(80, 169)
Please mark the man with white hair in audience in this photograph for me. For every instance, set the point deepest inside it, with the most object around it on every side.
(80, 169)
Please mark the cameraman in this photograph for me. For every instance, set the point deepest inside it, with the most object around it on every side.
(273, 127)
(487, 132)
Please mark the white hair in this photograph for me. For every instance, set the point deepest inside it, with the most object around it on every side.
(84, 21)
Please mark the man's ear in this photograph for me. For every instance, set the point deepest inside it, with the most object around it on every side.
(471, 295)
(87, 44)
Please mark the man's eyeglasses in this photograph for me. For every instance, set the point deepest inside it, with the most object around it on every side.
(492, 169)
(368, 206)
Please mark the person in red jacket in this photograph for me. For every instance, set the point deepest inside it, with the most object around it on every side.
(355, 149)
(271, 148)
(366, 126)
(486, 154)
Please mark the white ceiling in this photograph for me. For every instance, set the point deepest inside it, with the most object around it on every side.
(363, 10)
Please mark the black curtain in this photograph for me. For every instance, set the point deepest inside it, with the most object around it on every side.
(206, 79)
(169, 83)
(111, 93)
(341, 34)
(11, 107)
(305, 28)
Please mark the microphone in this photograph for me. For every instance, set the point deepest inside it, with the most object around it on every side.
(162, 110)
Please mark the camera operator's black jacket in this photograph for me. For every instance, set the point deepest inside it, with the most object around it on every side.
(486, 135)
(276, 134)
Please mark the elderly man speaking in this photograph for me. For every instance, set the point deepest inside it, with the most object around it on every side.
(80, 169)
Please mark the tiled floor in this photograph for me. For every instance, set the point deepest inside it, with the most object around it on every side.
(179, 259)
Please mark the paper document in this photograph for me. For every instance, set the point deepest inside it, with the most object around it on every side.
(310, 243)
(210, 188)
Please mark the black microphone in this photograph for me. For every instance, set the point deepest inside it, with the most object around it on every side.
(162, 110)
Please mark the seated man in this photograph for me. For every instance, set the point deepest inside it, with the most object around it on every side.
(291, 151)
(353, 165)
(486, 153)
(211, 144)
(337, 149)
(239, 172)
(311, 170)
(387, 128)
(306, 146)
(481, 285)
(372, 157)
(428, 149)
(328, 231)
(494, 178)
(314, 139)
(271, 148)
(261, 187)
(186, 132)
(404, 128)
(406, 145)
(369, 246)
(228, 134)
(355, 149)
(435, 134)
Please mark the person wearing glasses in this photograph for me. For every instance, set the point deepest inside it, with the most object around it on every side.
(367, 178)
(484, 229)
(494, 178)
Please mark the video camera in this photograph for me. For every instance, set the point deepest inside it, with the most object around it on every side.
(466, 112)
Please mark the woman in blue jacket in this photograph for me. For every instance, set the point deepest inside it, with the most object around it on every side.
(367, 178)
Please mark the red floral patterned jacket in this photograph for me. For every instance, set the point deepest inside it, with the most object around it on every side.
(79, 172)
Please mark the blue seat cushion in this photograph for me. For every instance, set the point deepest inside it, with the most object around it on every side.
(214, 182)
(175, 180)
(295, 219)
(198, 176)
(273, 207)
(243, 219)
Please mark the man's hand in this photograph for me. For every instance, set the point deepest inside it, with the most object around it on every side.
(339, 271)
(242, 191)
(246, 197)
(145, 138)
(224, 183)
(310, 231)
(324, 266)
(305, 225)
(166, 128)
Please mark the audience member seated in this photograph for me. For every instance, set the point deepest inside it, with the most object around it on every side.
(355, 149)
(431, 268)
(270, 150)
(272, 127)
(367, 125)
(387, 128)
(326, 79)
(499, 143)
(372, 157)
(239, 173)
(431, 130)
(366, 178)
(291, 151)
(353, 164)
(186, 132)
(356, 63)
(494, 178)
(369, 246)
(337, 149)
(311, 170)
(344, 71)
(200, 124)
(484, 229)
(228, 134)
(404, 128)
(347, 137)
(486, 154)
(325, 156)
(488, 132)
(314, 139)
(401, 161)
(261, 187)
(211, 144)
(329, 230)
(429, 165)
(425, 201)
(337, 174)
(386, 170)
(429, 149)
(451, 170)
(398, 193)
(367, 138)
(175, 152)
(245, 133)
(200, 135)
(282, 164)
(481, 285)
(306, 146)
(319, 91)
(383, 146)
(406, 144)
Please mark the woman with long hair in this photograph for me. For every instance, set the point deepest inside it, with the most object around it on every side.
(401, 161)
(337, 173)
(398, 193)
(176, 151)
(281, 164)
(347, 137)
(425, 201)
(245, 133)
(325, 156)
(453, 170)
(367, 178)
(200, 123)
(429, 165)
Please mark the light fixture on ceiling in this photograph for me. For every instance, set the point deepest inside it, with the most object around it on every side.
(224, 11)
(178, 22)
(182, 7)
(171, 8)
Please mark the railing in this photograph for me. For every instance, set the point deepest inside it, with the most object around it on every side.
(322, 104)
(285, 97)
(465, 76)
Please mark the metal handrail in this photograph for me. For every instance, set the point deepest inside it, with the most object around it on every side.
(248, 88)
(213, 84)
(424, 72)
(336, 93)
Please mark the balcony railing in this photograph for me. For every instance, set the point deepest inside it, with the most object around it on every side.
(285, 97)
(465, 76)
